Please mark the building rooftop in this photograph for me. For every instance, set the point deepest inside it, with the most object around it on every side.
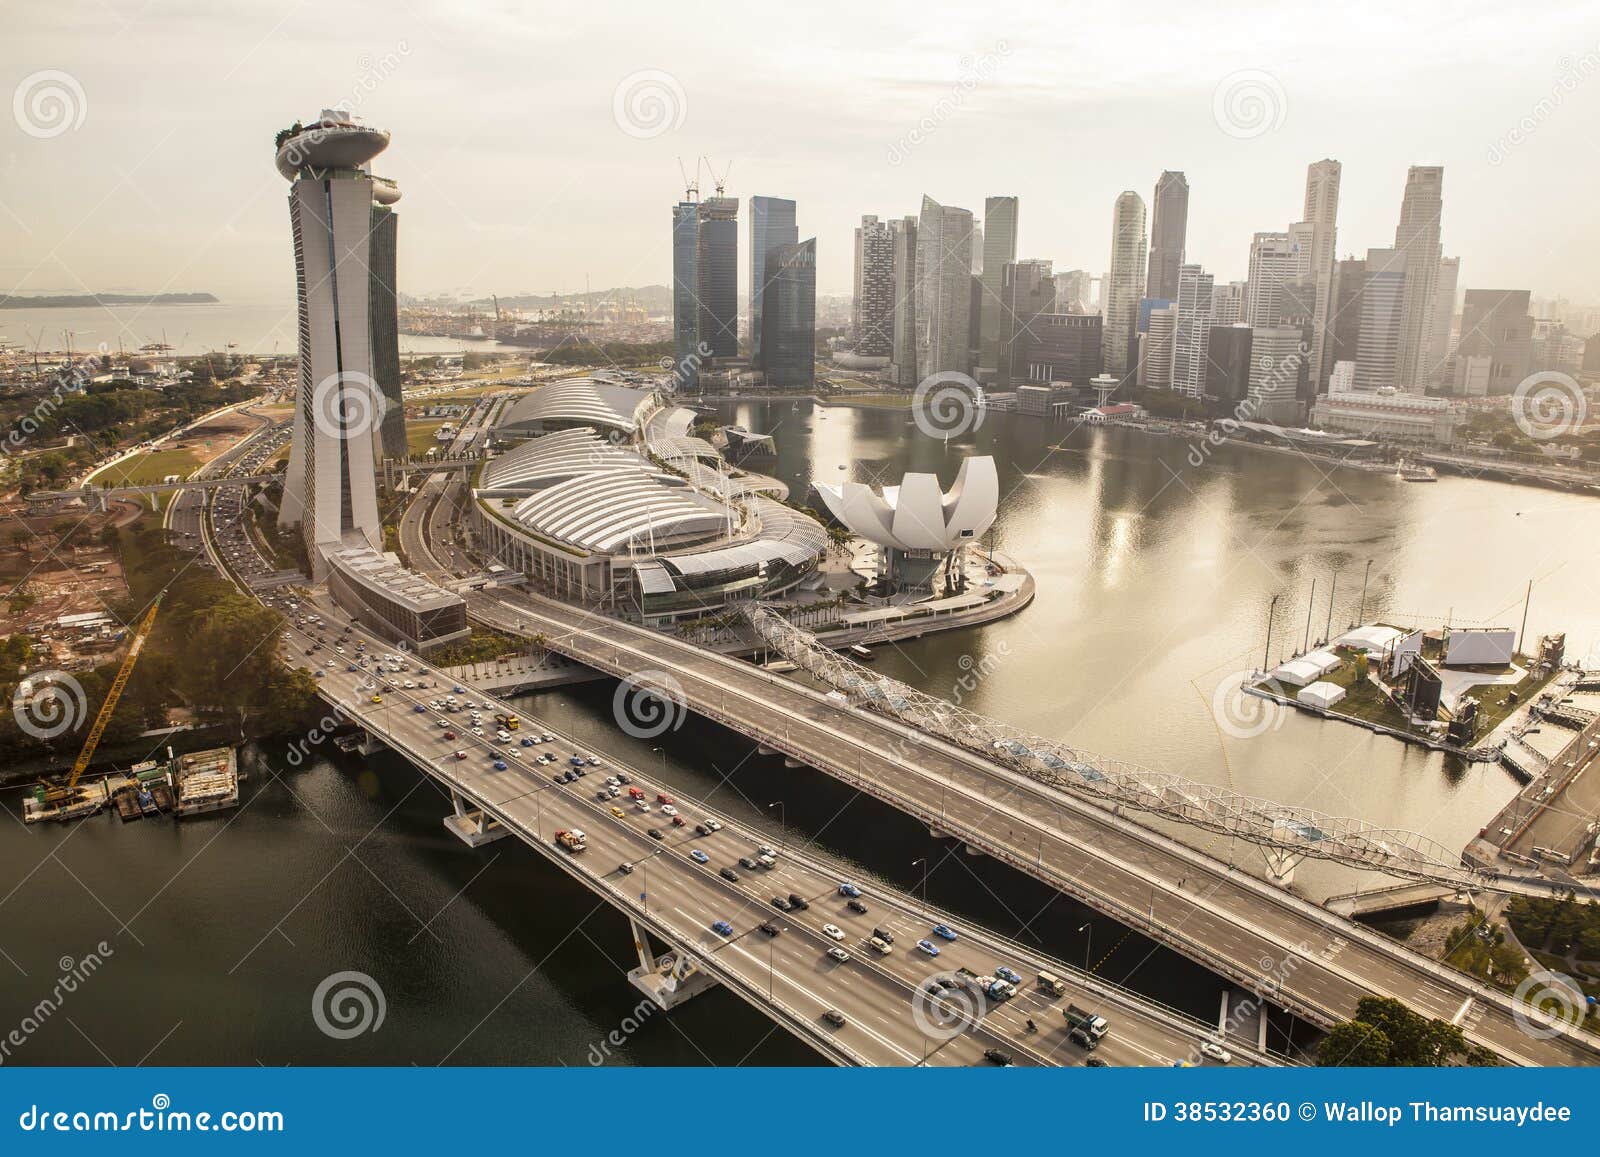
(384, 574)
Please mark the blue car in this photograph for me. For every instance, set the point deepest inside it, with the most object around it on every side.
(929, 947)
(1010, 974)
(722, 928)
(698, 856)
(944, 932)
(849, 889)
(419, 709)
(459, 690)
(576, 760)
(352, 667)
(526, 742)
(499, 765)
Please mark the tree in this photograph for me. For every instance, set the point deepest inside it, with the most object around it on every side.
(1354, 1044)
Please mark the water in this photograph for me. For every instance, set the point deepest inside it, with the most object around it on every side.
(1154, 580)
(254, 322)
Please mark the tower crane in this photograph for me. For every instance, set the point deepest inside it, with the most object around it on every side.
(61, 794)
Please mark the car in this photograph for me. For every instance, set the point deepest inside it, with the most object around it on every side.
(857, 907)
(698, 856)
(352, 668)
(798, 902)
(419, 709)
(722, 928)
(619, 813)
(663, 797)
(839, 954)
(928, 947)
(461, 755)
(613, 792)
(677, 821)
(833, 931)
(997, 1057)
(770, 928)
(526, 742)
(701, 830)
(1095, 1062)
(449, 734)
(834, 1017)
(558, 780)
(944, 932)
(849, 889)
(729, 875)
(668, 810)
(714, 825)
(612, 781)
(601, 796)
(763, 850)
(625, 868)
(881, 934)
(1215, 1051)
(568, 777)
(377, 699)
(655, 834)
(780, 903)
(747, 863)
(640, 804)
(459, 690)
(500, 765)
(766, 861)
(1010, 975)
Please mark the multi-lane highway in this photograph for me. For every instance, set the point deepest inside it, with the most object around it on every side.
(890, 1015)
(1246, 929)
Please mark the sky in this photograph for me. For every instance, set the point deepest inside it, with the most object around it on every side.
(539, 145)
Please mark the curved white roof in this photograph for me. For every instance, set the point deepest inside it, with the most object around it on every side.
(587, 400)
(605, 512)
(915, 515)
(555, 456)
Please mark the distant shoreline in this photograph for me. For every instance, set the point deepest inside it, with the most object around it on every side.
(85, 300)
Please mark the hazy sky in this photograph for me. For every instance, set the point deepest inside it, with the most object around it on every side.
(522, 174)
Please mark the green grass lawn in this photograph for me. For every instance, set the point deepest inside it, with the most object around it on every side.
(148, 467)
(419, 435)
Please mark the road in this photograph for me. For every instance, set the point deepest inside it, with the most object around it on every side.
(1225, 918)
(682, 897)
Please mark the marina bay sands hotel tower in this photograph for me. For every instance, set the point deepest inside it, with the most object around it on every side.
(348, 412)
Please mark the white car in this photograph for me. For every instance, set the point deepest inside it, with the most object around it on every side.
(644, 807)
(1216, 1052)
(833, 931)
(712, 824)
(668, 810)
(839, 954)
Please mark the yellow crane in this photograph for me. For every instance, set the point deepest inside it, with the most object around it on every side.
(65, 793)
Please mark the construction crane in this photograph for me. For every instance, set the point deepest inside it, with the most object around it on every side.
(691, 189)
(721, 182)
(64, 793)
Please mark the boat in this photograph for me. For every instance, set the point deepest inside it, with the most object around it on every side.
(860, 653)
(1411, 472)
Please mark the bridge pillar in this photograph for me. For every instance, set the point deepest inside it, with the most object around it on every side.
(668, 979)
(1281, 865)
(763, 749)
(472, 826)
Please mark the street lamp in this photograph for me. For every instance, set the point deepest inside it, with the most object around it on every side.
(783, 819)
(1088, 941)
(923, 860)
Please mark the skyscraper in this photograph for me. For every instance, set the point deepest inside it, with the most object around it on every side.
(1437, 362)
(1416, 238)
(1277, 371)
(1028, 290)
(1383, 296)
(1322, 214)
(1496, 347)
(1275, 260)
(1169, 224)
(1343, 337)
(999, 251)
(943, 289)
(1155, 345)
(790, 320)
(343, 230)
(903, 366)
(1228, 364)
(1075, 291)
(718, 275)
(1125, 282)
(772, 225)
(872, 311)
(1227, 303)
(686, 293)
(1191, 331)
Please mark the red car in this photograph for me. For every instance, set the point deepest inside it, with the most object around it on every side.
(677, 821)
(461, 755)
(635, 793)
(663, 797)
(449, 734)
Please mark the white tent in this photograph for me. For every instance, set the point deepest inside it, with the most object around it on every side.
(1321, 694)
(1296, 673)
(1374, 640)
(1324, 661)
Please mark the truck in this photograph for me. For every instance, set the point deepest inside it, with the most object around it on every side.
(1051, 983)
(1087, 1028)
(573, 841)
